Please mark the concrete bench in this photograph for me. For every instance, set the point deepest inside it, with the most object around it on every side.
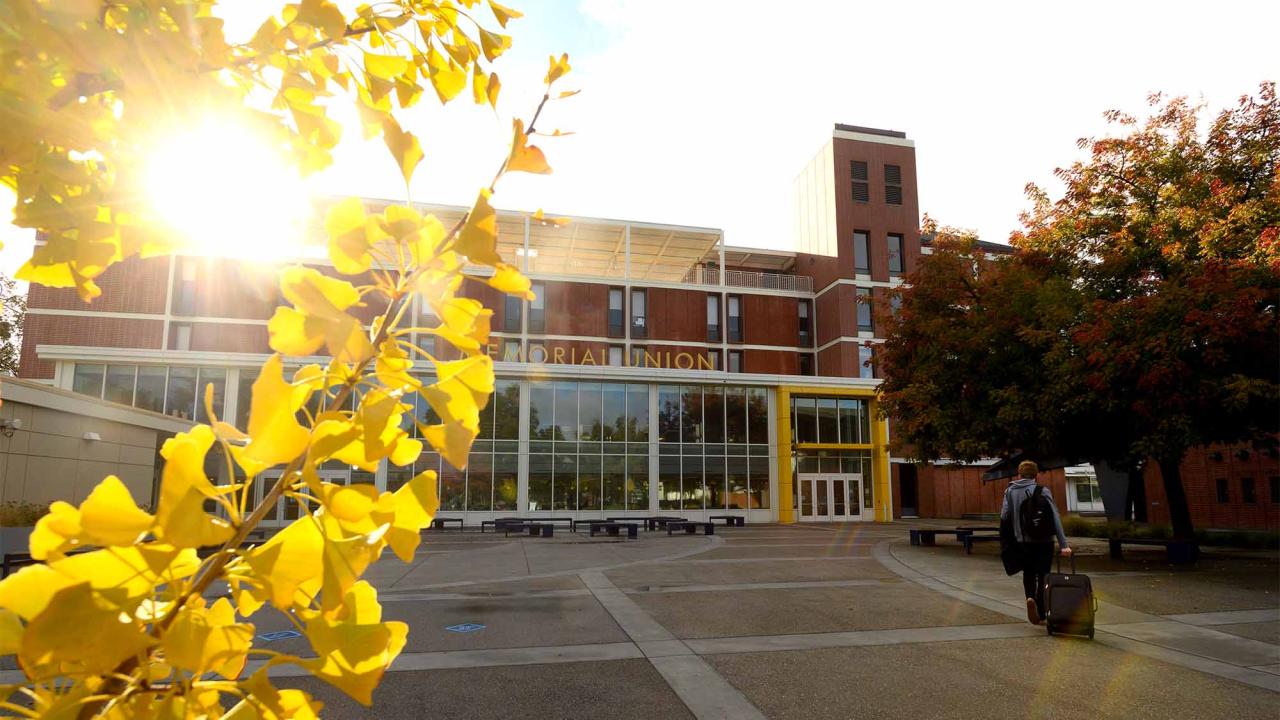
(731, 520)
(499, 522)
(439, 523)
(927, 536)
(970, 538)
(690, 527)
(535, 529)
(615, 529)
(1178, 551)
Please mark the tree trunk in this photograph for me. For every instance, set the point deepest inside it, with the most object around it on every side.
(1136, 509)
(1179, 513)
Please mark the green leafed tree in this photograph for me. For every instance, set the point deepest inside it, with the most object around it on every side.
(13, 309)
(1137, 319)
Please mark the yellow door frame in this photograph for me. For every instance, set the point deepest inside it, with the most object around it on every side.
(882, 490)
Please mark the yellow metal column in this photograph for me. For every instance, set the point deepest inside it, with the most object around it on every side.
(883, 489)
(786, 508)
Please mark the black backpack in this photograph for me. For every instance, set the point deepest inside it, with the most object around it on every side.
(1036, 517)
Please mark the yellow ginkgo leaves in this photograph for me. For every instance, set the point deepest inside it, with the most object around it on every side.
(318, 317)
(525, 157)
(208, 639)
(274, 434)
(107, 517)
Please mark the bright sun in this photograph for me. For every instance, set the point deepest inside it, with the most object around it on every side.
(228, 192)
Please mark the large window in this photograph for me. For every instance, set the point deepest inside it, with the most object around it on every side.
(862, 252)
(177, 391)
(830, 420)
(511, 311)
(804, 321)
(639, 324)
(537, 308)
(87, 379)
(866, 323)
(713, 318)
(616, 313)
(735, 318)
(589, 446)
(713, 448)
(490, 480)
(896, 262)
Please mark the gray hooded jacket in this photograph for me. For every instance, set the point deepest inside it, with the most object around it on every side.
(1017, 493)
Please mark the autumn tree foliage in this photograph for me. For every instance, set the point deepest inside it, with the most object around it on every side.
(115, 620)
(1136, 319)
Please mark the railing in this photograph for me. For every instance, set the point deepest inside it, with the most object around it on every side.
(741, 278)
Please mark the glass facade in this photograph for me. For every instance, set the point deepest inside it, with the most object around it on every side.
(713, 448)
(177, 391)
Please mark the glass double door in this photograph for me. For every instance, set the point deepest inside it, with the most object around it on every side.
(287, 509)
(830, 497)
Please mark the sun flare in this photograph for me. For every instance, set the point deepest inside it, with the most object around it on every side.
(227, 191)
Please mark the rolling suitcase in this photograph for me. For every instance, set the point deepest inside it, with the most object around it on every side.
(1069, 602)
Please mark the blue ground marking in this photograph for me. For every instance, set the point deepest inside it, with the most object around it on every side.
(280, 635)
(465, 627)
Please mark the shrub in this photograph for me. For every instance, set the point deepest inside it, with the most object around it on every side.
(20, 514)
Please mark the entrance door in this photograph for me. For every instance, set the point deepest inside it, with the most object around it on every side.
(287, 509)
(908, 488)
(830, 498)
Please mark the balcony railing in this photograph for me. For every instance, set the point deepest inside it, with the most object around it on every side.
(741, 278)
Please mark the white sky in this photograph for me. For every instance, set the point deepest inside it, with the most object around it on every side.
(700, 112)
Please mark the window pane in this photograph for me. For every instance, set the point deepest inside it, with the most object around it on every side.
(669, 413)
(615, 355)
(806, 419)
(511, 314)
(566, 411)
(150, 395)
(120, 383)
(691, 414)
(539, 482)
(735, 361)
(757, 416)
(736, 475)
(865, 368)
(716, 496)
(828, 421)
(864, 309)
(669, 482)
(180, 401)
(850, 426)
(759, 483)
(506, 404)
(895, 255)
(861, 254)
(88, 379)
(589, 400)
(615, 497)
(1082, 493)
(637, 482)
(541, 414)
(480, 482)
(637, 413)
(452, 487)
(735, 407)
(713, 411)
(691, 490)
(216, 377)
(505, 481)
(589, 467)
(565, 481)
(613, 421)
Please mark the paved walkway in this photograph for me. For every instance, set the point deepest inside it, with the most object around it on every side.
(807, 622)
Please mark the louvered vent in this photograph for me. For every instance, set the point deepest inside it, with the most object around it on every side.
(893, 194)
(893, 184)
(892, 174)
(858, 170)
(861, 192)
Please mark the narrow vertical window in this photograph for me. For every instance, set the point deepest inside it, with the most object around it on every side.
(511, 311)
(511, 350)
(713, 356)
(1223, 495)
(858, 174)
(615, 319)
(615, 355)
(1247, 492)
(735, 318)
(805, 322)
(806, 363)
(537, 308)
(735, 361)
(893, 184)
(865, 322)
(639, 324)
(895, 304)
(896, 265)
(184, 291)
(637, 356)
(862, 252)
(713, 318)
(866, 358)
(181, 338)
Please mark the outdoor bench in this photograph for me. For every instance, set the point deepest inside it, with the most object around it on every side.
(1178, 551)
(970, 538)
(499, 522)
(535, 529)
(661, 521)
(615, 528)
(926, 536)
(731, 520)
(690, 527)
(440, 522)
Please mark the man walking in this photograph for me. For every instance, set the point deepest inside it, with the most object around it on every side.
(1028, 507)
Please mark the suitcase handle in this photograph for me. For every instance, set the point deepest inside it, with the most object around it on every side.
(1073, 562)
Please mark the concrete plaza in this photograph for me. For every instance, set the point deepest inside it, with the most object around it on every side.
(808, 622)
